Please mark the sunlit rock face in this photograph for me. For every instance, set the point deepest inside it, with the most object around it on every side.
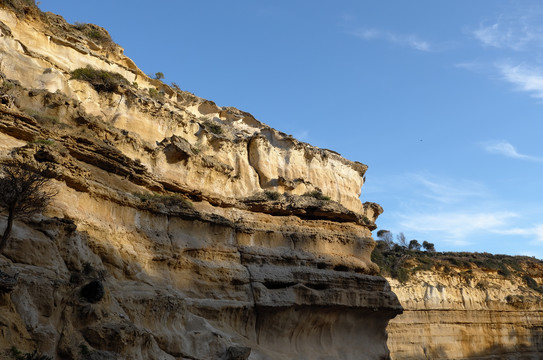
(468, 314)
(181, 229)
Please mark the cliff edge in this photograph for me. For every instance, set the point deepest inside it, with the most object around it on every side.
(464, 305)
(180, 229)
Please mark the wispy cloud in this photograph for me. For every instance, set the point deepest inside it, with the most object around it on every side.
(496, 36)
(516, 32)
(448, 191)
(535, 232)
(409, 40)
(506, 149)
(526, 78)
(456, 227)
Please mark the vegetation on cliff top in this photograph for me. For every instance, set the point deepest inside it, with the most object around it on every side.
(57, 24)
(94, 32)
(21, 7)
(401, 261)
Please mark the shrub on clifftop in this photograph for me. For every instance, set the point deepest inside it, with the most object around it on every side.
(101, 80)
(317, 194)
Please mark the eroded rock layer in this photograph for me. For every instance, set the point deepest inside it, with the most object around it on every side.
(180, 229)
(470, 312)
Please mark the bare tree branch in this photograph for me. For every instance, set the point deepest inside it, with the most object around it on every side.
(23, 192)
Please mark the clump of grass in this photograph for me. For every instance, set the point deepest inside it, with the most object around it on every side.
(93, 32)
(155, 94)
(21, 6)
(317, 194)
(166, 199)
(41, 116)
(6, 86)
(272, 195)
(101, 80)
(213, 127)
(47, 142)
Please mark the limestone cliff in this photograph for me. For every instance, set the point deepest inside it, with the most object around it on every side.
(181, 229)
(467, 306)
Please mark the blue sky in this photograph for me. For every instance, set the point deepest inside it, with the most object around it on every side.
(442, 100)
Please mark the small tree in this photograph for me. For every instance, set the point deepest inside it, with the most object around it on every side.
(175, 86)
(401, 240)
(428, 246)
(23, 193)
(414, 245)
(158, 76)
(386, 237)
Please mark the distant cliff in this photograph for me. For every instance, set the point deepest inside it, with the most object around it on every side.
(181, 229)
(464, 305)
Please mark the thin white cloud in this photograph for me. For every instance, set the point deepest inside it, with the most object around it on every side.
(526, 78)
(506, 149)
(409, 40)
(455, 227)
(496, 36)
(447, 191)
(536, 232)
(518, 32)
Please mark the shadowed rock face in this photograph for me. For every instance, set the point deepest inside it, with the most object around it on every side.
(192, 222)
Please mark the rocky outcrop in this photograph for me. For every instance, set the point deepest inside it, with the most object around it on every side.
(470, 311)
(180, 229)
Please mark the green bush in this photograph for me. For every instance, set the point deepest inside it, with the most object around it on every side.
(93, 32)
(6, 86)
(401, 274)
(20, 6)
(272, 195)
(212, 127)
(101, 80)
(155, 94)
(317, 194)
(43, 142)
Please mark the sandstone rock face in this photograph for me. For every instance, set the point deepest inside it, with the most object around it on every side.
(459, 315)
(181, 230)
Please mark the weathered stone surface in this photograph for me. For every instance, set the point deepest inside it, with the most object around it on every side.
(455, 315)
(164, 211)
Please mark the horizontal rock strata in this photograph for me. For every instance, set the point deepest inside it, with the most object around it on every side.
(181, 229)
(468, 313)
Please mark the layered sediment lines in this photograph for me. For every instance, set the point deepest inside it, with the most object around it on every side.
(459, 315)
(190, 216)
